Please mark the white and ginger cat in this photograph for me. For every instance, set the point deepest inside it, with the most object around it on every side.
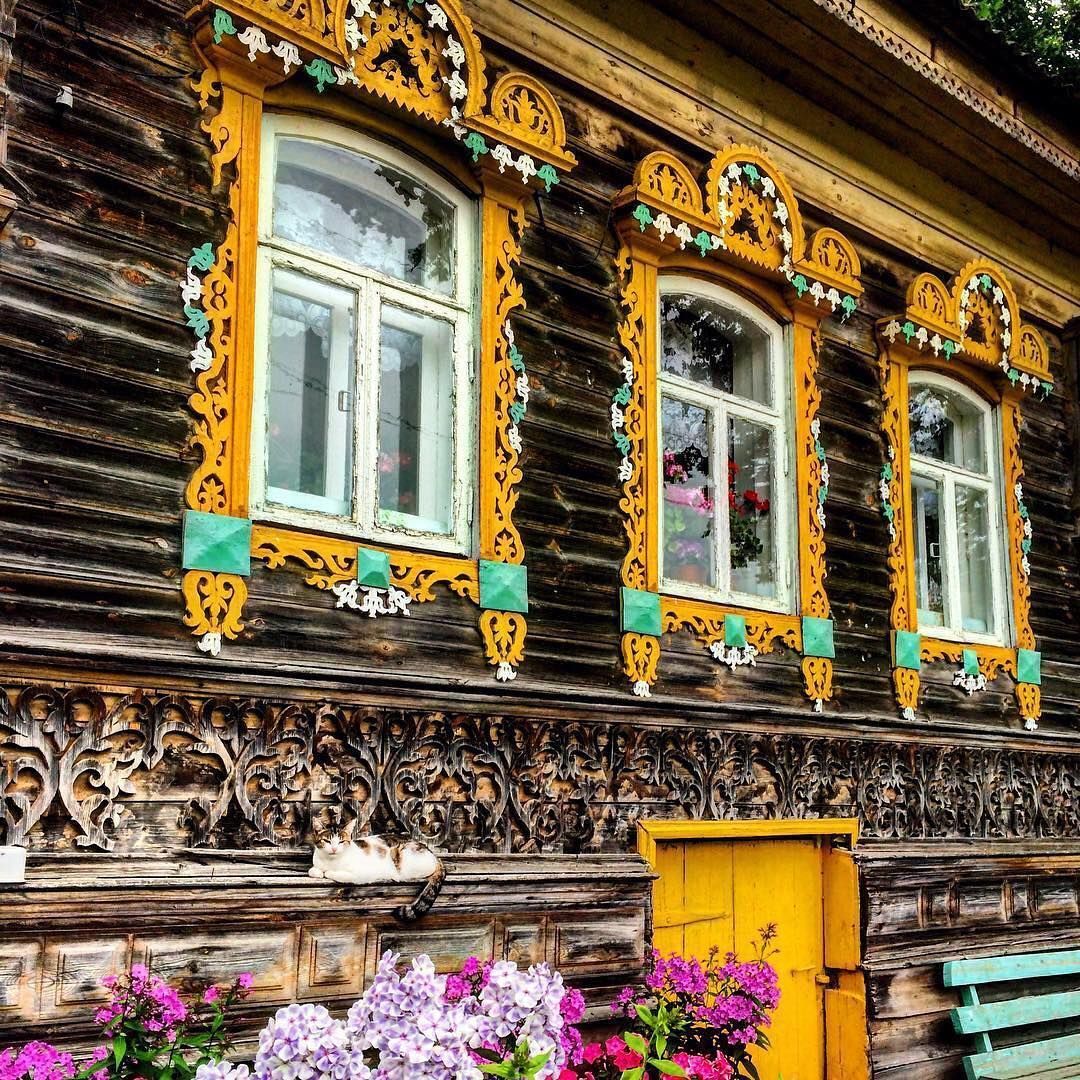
(367, 860)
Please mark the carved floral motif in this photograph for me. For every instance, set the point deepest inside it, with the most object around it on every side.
(83, 769)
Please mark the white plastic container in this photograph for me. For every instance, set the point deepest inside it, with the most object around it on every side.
(12, 865)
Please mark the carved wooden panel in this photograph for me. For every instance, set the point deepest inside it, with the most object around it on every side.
(248, 773)
(72, 969)
(208, 917)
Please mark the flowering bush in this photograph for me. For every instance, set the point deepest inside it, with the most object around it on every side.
(703, 1017)
(148, 1031)
(456, 1027)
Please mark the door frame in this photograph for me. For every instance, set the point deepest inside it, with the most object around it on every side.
(847, 1047)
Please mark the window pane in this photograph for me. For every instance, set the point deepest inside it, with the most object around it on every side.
(688, 494)
(416, 416)
(358, 209)
(973, 545)
(946, 426)
(310, 395)
(926, 498)
(712, 344)
(750, 518)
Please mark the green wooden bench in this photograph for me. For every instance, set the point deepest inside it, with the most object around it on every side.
(1050, 1059)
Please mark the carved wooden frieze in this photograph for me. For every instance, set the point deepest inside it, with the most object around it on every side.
(145, 770)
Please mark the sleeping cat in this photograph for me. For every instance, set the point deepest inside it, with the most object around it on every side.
(365, 860)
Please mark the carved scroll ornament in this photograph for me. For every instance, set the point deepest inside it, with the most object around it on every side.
(424, 59)
(84, 769)
(972, 332)
(746, 218)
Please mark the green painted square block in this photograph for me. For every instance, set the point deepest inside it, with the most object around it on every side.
(735, 631)
(504, 586)
(971, 662)
(1029, 666)
(817, 637)
(217, 543)
(373, 568)
(641, 612)
(907, 649)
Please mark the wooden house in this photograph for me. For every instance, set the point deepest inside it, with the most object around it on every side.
(631, 447)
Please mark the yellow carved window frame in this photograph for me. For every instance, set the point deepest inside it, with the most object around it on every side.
(667, 224)
(512, 138)
(1003, 360)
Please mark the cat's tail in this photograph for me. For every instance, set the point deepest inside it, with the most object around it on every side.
(425, 899)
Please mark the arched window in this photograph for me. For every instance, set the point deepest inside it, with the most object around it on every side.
(725, 448)
(365, 295)
(959, 553)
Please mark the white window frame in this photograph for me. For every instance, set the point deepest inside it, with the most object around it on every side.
(948, 475)
(719, 406)
(371, 288)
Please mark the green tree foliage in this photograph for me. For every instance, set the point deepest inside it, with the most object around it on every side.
(1047, 30)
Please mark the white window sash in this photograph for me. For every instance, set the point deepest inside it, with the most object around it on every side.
(371, 288)
(949, 476)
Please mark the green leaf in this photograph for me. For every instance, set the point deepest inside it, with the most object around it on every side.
(202, 257)
(643, 216)
(636, 1043)
(489, 1055)
(119, 1049)
(633, 1074)
(498, 1070)
(661, 1044)
(668, 1068)
(475, 143)
(645, 1015)
(223, 25)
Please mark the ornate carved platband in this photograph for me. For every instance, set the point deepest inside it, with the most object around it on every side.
(974, 333)
(744, 229)
(422, 59)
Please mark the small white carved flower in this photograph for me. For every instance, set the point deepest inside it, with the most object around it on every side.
(1025, 378)
(618, 418)
(255, 40)
(362, 8)
(781, 212)
(1027, 528)
(834, 298)
(663, 225)
(513, 438)
(892, 330)
(456, 87)
(724, 187)
(454, 51)
(815, 427)
(505, 672)
(817, 291)
(1018, 491)
(684, 234)
(526, 166)
(973, 283)
(734, 172)
(820, 514)
(201, 356)
(1006, 339)
(999, 296)
(522, 388)
(436, 16)
(347, 593)
(191, 288)
(936, 343)
(626, 470)
(628, 370)
(921, 336)
(825, 474)
(768, 188)
(503, 155)
(289, 53)
(785, 239)
(345, 75)
(210, 643)
(716, 241)
(641, 689)
(354, 37)
(1006, 316)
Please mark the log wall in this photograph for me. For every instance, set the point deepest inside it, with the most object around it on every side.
(116, 734)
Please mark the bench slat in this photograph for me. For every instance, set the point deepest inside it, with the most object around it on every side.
(992, 1016)
(1023, 1072)
(1033, 1057)
(1010, 968)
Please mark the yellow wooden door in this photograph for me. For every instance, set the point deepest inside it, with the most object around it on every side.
(721, 891)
